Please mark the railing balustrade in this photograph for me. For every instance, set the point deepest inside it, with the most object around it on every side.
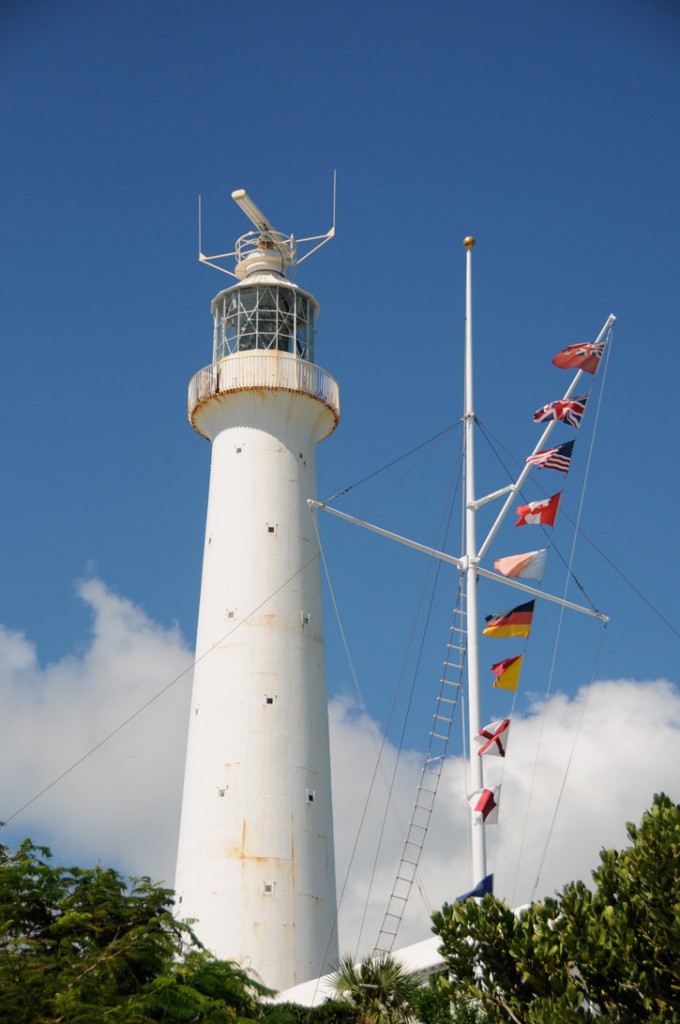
(245, 371)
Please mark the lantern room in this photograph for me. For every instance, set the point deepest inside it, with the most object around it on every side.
(265, 312)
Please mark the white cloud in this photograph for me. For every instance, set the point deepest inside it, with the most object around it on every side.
(121, 805)
(619, 742)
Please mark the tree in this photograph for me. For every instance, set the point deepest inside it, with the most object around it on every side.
(432, 1004)
(379, 989)
(79, 946)
(612, 954)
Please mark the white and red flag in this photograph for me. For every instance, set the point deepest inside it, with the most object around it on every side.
(493, 738)
(539, 512)
(484, 805)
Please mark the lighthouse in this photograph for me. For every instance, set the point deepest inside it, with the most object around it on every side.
(255, 864)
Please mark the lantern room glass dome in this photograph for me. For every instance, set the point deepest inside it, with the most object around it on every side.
(264, 316)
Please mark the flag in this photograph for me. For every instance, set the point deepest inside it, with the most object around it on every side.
(513, 622)
(553, 458)
(580, 357)
(484, 805)
(507, 673)
(481, 889)
(544, 512)
(568, 410)
(489, 738)
(528, 566)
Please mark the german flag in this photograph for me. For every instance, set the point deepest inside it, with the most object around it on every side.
(514, 622)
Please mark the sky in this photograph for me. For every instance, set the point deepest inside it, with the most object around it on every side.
(547, 131)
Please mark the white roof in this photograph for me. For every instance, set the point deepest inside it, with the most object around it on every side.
(422, 958)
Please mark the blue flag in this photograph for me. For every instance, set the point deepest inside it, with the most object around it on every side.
(481, 889)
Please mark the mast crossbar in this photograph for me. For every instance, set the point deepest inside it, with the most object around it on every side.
(459, 563)
(387, 533)
(542, 594)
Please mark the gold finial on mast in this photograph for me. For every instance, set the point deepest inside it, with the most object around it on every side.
(469, 242)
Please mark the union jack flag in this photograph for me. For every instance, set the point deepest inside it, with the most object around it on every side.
(569, 411)
(553, 458)
(586, 356)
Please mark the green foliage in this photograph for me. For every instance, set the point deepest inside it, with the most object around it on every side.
(612, 954)
(379, 990)
(332, 1011)
(79, 946)
(432, 1005)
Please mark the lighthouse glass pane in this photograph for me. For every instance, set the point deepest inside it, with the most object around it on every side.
(264, 317)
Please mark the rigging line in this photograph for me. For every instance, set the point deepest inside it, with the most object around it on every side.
(630, 583)
(493, 844)
(539, 744)
(160, 692)
(571, 559)
(554, 657)
(196, 660)
(390, 787)
(379, 755)
(488, 436)
(443, 532)
(191, 666)
(568, 765)
(435, 438)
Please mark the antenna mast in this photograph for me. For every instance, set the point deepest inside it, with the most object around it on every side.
(265, 248)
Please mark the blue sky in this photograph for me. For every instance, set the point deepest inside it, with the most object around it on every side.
(548, 131)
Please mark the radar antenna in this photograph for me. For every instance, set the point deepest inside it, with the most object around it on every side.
(265, 248)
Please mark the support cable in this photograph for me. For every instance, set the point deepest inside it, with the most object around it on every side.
(97, 746)
(554, 662)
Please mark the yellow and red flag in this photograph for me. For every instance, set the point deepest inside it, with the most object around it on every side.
(507, 673)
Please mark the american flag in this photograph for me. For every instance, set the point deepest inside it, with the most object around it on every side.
(569, 411)
(553, 458)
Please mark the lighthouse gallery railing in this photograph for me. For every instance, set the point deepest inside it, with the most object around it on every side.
(244, 371)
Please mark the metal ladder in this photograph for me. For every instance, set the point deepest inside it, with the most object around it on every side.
(447, 700)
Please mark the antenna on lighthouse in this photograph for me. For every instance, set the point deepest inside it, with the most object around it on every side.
(265, 248)
(252, 212)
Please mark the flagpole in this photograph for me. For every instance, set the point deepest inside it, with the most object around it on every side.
(478, 841)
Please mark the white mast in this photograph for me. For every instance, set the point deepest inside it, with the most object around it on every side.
(474, 719)
(469, 567)
(255, 865)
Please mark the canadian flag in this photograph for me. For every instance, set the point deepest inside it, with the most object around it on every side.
(543, 512)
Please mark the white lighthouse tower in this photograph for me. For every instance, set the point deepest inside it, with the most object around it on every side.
(255, 866)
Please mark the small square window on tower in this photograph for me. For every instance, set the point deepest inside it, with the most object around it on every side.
(268, 888)
(306, 618)
(269, 698)
(310, 796)
(271, 527)
(239, 448)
